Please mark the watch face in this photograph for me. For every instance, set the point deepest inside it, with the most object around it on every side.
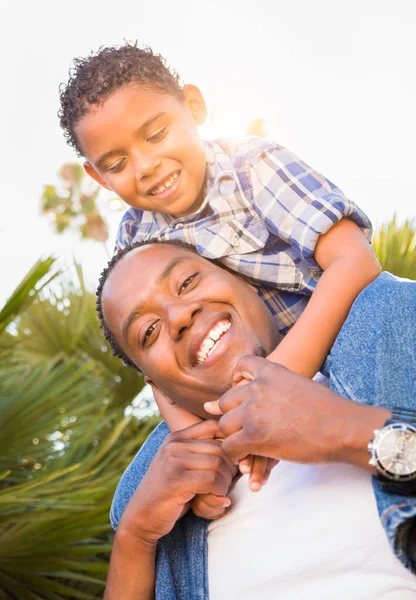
(396, 450)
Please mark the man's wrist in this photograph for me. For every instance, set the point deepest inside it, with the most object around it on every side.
(357, 431)
(129, 540)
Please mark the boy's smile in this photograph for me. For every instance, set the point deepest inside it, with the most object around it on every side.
(143, 144)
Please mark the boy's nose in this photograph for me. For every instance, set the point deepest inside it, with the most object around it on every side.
(145, 165)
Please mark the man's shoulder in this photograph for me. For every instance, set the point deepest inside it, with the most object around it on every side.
(135, 472)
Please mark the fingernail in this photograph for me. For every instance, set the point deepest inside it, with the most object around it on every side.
(244, 469)
(255, 486)
(226, 503)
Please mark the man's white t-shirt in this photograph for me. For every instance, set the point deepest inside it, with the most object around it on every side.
(313, 532)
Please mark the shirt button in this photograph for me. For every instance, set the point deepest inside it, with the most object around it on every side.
(235, 240)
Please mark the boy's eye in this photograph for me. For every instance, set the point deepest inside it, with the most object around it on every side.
(185, 284)
(118, 166)
(157, 136)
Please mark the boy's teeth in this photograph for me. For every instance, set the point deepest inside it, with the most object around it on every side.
(211, 340)
(166, 185)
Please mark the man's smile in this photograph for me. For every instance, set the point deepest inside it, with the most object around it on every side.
(211, 341)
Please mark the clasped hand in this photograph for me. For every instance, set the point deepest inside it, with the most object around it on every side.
(279, 414)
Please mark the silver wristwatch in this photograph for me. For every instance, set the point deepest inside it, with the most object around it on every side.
(393, 452)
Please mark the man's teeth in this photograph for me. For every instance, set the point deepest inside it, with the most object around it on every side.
(211, 340)
(166, 185)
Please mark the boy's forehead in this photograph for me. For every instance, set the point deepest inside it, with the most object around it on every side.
(131, 102)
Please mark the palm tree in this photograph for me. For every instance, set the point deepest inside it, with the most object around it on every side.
(395, 247)
(65, 439)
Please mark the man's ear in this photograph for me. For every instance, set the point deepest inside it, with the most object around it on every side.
(155, 388)
(195, 103)
(89, 169)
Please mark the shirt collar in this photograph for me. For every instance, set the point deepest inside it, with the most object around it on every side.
(219, 166)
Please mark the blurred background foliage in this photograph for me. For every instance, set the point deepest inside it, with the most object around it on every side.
(65, 438)
(66, 417)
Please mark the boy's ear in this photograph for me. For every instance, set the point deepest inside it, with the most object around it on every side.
(195, 103)
(89, 169)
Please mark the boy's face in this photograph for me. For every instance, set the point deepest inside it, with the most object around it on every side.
(143, 144)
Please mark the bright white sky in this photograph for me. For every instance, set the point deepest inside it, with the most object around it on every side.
(336, 82)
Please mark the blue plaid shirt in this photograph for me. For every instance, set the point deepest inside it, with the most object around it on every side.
(263, 212)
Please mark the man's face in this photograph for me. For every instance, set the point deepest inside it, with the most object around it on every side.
(143, 144)
(184, 321)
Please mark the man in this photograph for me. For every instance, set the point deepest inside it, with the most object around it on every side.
(314, 530)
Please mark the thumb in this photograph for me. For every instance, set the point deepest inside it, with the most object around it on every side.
(213, 408)
(246, 369)
(205, 430)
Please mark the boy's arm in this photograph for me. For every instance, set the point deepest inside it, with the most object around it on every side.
(349, 266)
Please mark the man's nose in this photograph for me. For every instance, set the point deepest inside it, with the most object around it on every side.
(145, 163)
(181, 316)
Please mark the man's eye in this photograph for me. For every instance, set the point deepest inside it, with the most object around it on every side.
(187, 283)
(118, 166)
(157, 136)
(149, 331)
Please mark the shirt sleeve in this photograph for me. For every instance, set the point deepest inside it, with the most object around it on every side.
(298, 204)
(127, 229)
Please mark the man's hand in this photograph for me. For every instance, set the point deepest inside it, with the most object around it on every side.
(285, 416)
(189, 462)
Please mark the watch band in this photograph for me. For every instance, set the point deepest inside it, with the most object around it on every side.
(402, 415)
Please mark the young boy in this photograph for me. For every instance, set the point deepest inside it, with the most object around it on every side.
(252, 204)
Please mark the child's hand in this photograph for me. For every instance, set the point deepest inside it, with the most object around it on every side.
(259, 468)
(209, 506)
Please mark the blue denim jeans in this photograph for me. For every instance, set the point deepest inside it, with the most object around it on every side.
(373, 361)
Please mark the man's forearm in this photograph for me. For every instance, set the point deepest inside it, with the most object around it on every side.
(131, 574)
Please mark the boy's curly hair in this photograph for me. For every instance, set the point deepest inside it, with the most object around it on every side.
(94, 78)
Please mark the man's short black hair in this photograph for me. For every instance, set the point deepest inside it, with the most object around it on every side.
(117, 351)
(94, 78)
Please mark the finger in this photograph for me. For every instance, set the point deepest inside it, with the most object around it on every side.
(209, 506)
(246, 464)
(232, 421)
(202, 447)
(271, 463)
(212, 408)
(247, 368)
(258, 470)
(212, 501)
(237, 446)
(209, 459)
(208, 481)
(240, 380)
(208, 429)
(233, 398)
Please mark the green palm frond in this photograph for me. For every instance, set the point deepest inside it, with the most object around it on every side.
(37, 278)
(65, 440)
(395, 247)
